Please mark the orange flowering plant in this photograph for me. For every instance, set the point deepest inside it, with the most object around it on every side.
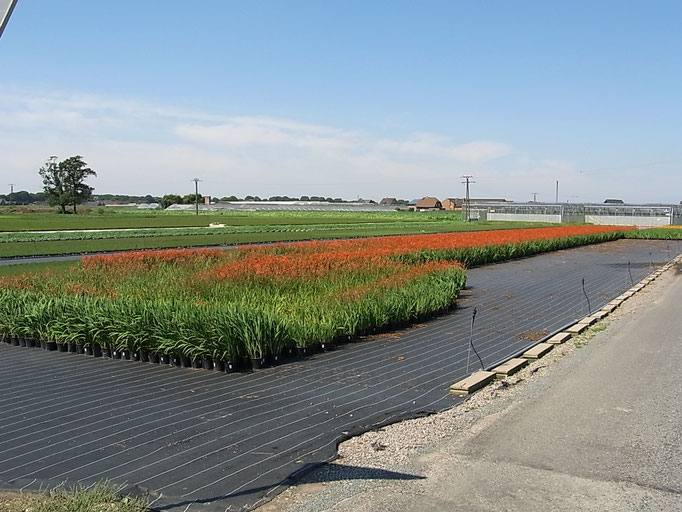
(259, 300)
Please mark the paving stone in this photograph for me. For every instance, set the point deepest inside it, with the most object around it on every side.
(577, 328)
(472, 383)
(538, 351)
(510, 367)
(559, 338)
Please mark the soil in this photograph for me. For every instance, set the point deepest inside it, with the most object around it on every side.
(532, 335)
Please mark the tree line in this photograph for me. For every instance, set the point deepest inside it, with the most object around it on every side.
(64, 186)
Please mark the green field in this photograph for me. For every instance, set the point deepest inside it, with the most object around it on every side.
(160, 230)
(104, 219)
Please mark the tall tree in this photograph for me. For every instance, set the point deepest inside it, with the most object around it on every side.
(64, 182)
(170, 199)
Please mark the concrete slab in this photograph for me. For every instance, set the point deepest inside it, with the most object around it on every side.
(510, 367)
(472, 383)
(577, 328)
(538, 351)
(609, 308)
(559, 338)
(589, 320)
(599, 315)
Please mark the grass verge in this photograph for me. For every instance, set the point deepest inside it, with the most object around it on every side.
(100, 498)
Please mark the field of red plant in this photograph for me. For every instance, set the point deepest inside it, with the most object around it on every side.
(258, 300)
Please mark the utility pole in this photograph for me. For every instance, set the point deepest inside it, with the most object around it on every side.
(196, 194)
(535, 197)
(556, 199)
(11, 192)
(466, 210)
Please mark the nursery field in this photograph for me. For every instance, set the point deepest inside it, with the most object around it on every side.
(80, 242)
(40, 234)
(204, 441)
(258, 303)
(106, 219)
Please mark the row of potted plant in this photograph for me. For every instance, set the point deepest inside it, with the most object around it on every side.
(135, 329)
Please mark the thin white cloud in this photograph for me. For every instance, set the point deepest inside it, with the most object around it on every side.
(256, 131)
(132, 143)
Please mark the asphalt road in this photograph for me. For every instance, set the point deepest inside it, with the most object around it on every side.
(601, 431)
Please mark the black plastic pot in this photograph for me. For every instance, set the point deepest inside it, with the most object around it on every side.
(22, 342)
(197, 363)
(258, 363)
(176, 361)
(164, 359)
(80, 348)
(231, 367)
(96, 350)
(135, 355)
(106, 352)
(125, 354)
(62, 347)
(327, 346)
(304, 351)
(87, 350)
(116, 354)
(30, 343)
(51, 345)
(144, 356)
(207, 363)
(43, 344)
(186, 361)
(219, 365)
(15, 342)
(154, 357)
(72, 348)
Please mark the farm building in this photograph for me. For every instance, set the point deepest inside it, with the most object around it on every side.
(450, 203)
(455, 203)
(389, 201)
(310, 206)
(602, 214)
(428, 203)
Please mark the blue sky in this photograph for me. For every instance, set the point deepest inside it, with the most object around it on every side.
(348, 98)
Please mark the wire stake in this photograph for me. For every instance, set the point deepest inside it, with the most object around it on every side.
(471, 343)
(589, 307)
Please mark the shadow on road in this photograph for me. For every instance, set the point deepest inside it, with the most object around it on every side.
(327, 472)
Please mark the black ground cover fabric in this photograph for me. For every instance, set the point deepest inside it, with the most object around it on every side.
(212, 441)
